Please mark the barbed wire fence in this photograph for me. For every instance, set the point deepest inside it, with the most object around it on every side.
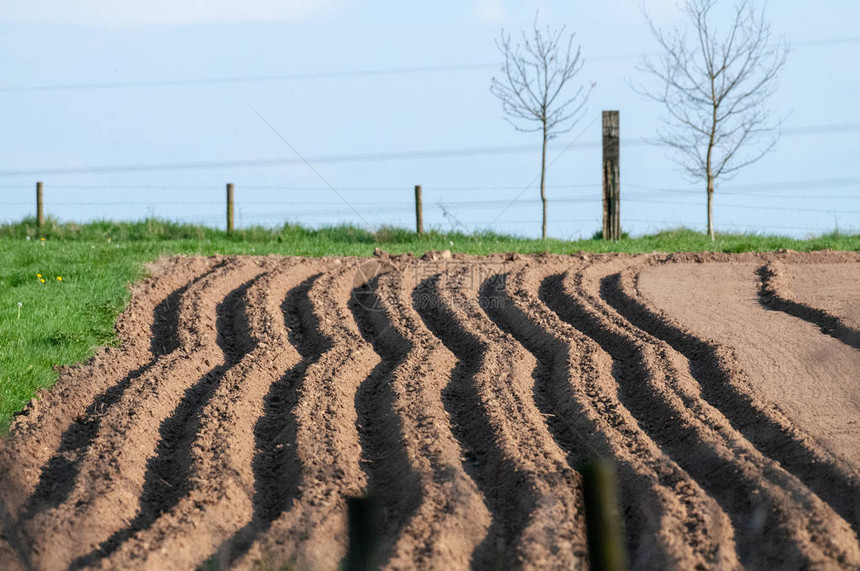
(575, 210)
(308, 205)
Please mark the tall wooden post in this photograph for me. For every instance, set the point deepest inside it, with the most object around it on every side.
(40, 207)
(419, 211)
(611, 177)
(229, 208)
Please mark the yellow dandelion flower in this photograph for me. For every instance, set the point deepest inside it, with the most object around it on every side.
(38, 275)
(59, 278)
(42, 280)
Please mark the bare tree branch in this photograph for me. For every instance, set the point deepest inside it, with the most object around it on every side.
(534, 86)
(714, 89)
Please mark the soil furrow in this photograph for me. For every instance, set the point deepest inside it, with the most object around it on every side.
(58, 475)
(472, 428)
(38, 455)
(15, 552)
(275, 464)
(450, 519)
(776, 520)
(670, 522)
(106, 495)
(312, 532)
(224, 494)
(390, 477)
(253, 396)
(168, 473)
(727, 387)
(530, 489)
(776, 294)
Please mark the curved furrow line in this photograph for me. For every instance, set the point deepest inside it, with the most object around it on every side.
(669, 520)
(169, 472)
(776, 519)
(809, 377)
(40, 452)
(441, 518)
(220, 497)
(107, 492)
(473, 428)
(776, 294)
(58, 475)
(390, 477)
(450, 518)
(529, 488)
(275, 463)
(312, 532)
(727, 387)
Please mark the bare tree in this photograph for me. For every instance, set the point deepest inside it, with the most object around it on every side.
(714, 87)
(533, 88)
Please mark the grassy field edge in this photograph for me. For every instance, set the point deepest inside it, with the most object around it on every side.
(62, 288)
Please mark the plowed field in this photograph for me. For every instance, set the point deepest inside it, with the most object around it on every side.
(252, 396)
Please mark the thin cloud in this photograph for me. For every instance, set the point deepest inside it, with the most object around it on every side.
(630, 11)
(135, 13)
(491, 12)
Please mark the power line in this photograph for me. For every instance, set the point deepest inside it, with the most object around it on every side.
(830, 41)
(793, 185)
(346, 158)
(822, 129)
(536, 221)
(746, 190)
(462, 152)
(303, 76)
(765, 186)
(405, 205)
(753, 195)
(245, 79)
(410, 205)
(751, 207)
(403, 188)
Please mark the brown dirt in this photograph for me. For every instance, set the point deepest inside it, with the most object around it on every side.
(824, 294)
(251, 397)
(812, 378)
(835, 288)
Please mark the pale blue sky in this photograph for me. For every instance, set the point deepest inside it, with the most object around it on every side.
(152, 115)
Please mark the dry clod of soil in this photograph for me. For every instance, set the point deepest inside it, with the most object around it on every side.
(252, 397)
(434, 255)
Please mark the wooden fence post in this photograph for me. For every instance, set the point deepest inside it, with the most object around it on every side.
(611, 182)
(229, 208)
(606, 543)
(419, 211)
(40, 207)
